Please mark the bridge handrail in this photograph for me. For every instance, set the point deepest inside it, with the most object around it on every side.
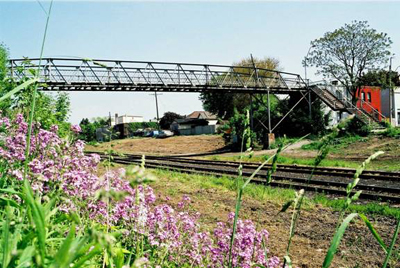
(153, 62)
(348, 102)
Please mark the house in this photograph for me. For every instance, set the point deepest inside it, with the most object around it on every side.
(211, 118)
(369, 99)
(396, 106)
(196, 123)
(126, 119)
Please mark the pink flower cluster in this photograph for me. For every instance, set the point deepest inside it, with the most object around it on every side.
(54, 163)
(59, 166)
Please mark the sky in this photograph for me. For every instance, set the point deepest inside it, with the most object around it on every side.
(213, 32)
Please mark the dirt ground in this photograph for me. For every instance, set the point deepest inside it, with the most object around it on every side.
(183, 145)
(314, 232)
(169, 146)
(316, 225)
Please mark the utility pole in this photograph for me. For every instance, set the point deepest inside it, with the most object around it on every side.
(251, 95)
(390, 90)
(307, 82)
(158, 117)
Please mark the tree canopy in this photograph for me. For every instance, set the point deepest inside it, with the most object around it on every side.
(223, 104)
(346, 53)
(168, 118)
(381, 78)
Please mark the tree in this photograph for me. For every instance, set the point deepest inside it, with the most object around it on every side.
(168, 118)
(381, 78)
(346, 53)
(3, 61)
(4, 86)
(223, 104)
(62, 106)
(88, 129)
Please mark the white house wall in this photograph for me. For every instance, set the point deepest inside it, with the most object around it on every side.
(397, 106)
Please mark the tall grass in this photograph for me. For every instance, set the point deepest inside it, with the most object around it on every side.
(242, 187)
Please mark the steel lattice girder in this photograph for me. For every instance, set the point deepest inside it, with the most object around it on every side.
(63, 74)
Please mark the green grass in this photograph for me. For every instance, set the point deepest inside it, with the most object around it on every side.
(339, 143)
(293, 161)
(371, 208)
(384, 165)
(272, 194)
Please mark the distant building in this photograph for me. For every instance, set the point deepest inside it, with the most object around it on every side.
(211, 118)
(396, 106)
(372, 100)
(196, 123)
(126, 119)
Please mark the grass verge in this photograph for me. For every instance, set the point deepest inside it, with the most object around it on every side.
(267, 193)
(384, 165)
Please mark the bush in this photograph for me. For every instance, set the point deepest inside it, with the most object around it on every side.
(354, 126)
(393, 132)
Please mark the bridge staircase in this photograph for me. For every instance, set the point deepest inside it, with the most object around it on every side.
(339, 103)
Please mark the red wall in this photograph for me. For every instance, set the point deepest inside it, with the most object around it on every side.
(375, 101)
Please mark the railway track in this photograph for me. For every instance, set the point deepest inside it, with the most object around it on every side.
(376, 185)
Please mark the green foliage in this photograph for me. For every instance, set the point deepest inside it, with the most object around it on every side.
(393, 132)
(3, 61)
(142, 125)
(342, 55)
(223, 104)
(62, 106)
(353, 127)
(168, 118)
(298, 123)
(16, 97)
(88, 128)
(380, 78)
(336, 240)
(239, 124)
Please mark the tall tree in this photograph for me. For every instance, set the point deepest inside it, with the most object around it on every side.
(223, 104)
(168, 118)
(3, 61)
(381, 78)
(62, 106)
(346, 53)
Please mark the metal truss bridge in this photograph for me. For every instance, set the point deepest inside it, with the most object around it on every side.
(64, 74)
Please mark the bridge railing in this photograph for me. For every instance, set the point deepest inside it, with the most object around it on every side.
(62, 72)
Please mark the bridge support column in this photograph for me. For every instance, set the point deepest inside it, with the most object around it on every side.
(309, 103)
(270, 139)
(251, 113)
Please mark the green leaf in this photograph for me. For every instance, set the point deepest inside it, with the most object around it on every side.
(374, 232)
(286, 206)
(389, 253)
(26, 257)
(18, 89)
(63, 255)
(10, 202)
(38, 218)
(95, 251)
(6, 237)
(288, 261)
(336, 240)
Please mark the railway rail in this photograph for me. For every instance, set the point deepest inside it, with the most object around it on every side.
(376, 185)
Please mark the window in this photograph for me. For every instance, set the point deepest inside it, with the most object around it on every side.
(398, 117)
(369, 96)
(363, 96)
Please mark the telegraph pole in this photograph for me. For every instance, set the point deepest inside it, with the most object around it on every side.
(390, 90)
(158, 117)
(251, 95)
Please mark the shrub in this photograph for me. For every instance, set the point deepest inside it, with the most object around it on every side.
(354, 126)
